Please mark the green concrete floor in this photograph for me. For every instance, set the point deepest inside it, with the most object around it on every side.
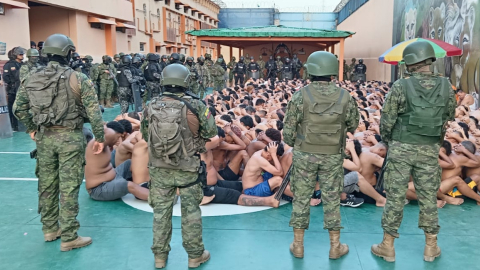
(122, 235)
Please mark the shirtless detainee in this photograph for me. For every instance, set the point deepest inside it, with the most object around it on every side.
(226, 162)
(103, 182)
(125, 149)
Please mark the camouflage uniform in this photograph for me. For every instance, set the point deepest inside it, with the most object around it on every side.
(125, 94)
(27, 68)
(279, 68)
(231, 66)
(217, 72)
(309, 168)
(163, 186)
(106, 80)
(352, 69)
(405, 160)
(261, 64)
(194, 85)
(346, 70)
(204, 76)
(61, 158)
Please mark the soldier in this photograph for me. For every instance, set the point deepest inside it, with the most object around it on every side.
(224, 64)
(77, 63)
(194, 86)
(57, 131)
(106, 72)
(316, 122)
(352, 69)
(182, 59)
(239, 71)
(413, 124)
(261, 64)
(87, 70)
(117, 60)
(217, 73)
(11, 76)
(231, 66)
(31, 65)
(279, 67)
(180, 169)
(288, 70)
(163, 62)
(152, 76)
(145, 63)
(138, 74)
(360, 71)
(43, 57)
(125, 80)
(208, 59)
(174, 59)
(297, 65)
(271, 67)
(252, 69)
(204, 75)
(346, 70)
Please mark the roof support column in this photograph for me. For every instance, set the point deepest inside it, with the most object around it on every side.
(231, 52)
(340, 59)
(219, 49)
(199, 46)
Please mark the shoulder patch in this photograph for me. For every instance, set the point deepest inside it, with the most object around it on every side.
(12, 68)
(5, 70)
(207, 113)
(89, 82)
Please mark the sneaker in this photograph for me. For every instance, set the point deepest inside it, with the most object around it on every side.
(351, 201)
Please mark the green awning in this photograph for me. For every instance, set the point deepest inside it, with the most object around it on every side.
(270, 31)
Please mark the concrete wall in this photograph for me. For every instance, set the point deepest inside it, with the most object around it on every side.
(245, 17)
(15, 31)
(320, 20)
(121, 9)
(45, 21)
(373, 25)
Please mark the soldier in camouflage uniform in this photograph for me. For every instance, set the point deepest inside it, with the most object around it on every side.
(152, 73)
(217, 73)
(178, 170)
(117, 60)
(261, 64)
(352, 69)
(208, 59)
(125, 80)
(319, 140)
(32, 64)
(346, 70)
(204, 75)
(413, 122)
(57, 131)
(194, 85)
(88, 66)
(279, 67)
(231, 66)
(106, 72)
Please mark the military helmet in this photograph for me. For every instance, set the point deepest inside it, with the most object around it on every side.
(354, 59)
(121, 54)
(164, 57)
(220, 60)
(136, 60)
(220, 56)
(208, 56)
(360, 61)
(234, 58)
(153, 57)
(175, 75)
(105, 57)
(252, 58)
(200, 59)
(89, 57)
(116, 56)
(418, 52)
(182, 58)
(278, 57)
(242, 58)
(175, 56)
(75, 56)
(322, 63)
(58, 44)
(190, 58)
(287, 60)
(126, 59)
(33, 53)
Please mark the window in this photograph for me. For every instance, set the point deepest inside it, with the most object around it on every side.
(185, 10)
(100, 26)
(177, 6)
(158, 12)
(142, 46)
(167, 2)
(120, 29)
(199, 16)
(145, 9)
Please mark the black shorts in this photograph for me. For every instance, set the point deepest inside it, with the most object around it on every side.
(226, 192)
(367, 198)
(228, 174)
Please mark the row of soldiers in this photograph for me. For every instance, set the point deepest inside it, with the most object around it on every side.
(354, 71)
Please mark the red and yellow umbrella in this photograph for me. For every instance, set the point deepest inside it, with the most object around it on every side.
(394, 55)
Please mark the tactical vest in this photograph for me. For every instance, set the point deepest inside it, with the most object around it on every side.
(150, 69)
(121, 78)
(239, 68)
(323, 128)
(171, 144)
(52, 100)
(425, 113)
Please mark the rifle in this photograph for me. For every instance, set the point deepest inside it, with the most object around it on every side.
(381, 179)
(283, 186)
(112, 76)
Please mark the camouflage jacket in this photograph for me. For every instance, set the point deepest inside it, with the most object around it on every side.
(231, 66)
(204, 73)
(294, 114)
(88, 98)
(217, 72)
(395, 104)
(261, 64)
(27, 68)
(105, 76)
(207, 126)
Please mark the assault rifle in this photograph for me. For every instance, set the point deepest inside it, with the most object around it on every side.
(110, 72)
(283, 186)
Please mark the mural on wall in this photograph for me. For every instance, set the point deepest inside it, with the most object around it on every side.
(454, 21)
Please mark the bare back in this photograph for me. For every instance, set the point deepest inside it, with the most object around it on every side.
(124, 150)
(457, 171)
(140, 173)
(369, 163)
(98, 168)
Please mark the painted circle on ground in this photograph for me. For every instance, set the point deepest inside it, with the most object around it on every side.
(209, 210)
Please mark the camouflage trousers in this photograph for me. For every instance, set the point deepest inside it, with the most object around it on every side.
(125, 96)
(194, 86)
(307, 168)
(106, 89)
(61, 160)
(163, 186)
(420, 162)
(152, 90)
(218, 84)
(230, 77)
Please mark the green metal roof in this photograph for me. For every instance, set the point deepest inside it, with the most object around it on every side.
(270, 31)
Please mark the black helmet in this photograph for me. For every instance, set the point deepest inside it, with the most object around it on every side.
(75, 56)
(175, 75)
(153, 57)
(182, 58)
(126, 59)
(242, 58)
(141, 56)
(175, 57)
(136, 60)
(287, 60)
(360, 61)
(40, 44)
(164, 57)
(251, 58)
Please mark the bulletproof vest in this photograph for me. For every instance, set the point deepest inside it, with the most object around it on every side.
(240, 68)
(323, 128)
(150, 69)
(425, 113)
(52, 100)
(171, 144)
(360, 68)
(253, 66)
(287, 68)
(121, 78)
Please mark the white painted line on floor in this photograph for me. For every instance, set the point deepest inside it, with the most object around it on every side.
(18, 179)
(16, 153)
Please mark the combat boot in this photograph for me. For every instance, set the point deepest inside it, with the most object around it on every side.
(77, 243)
(337, 249)
(159, 262)
(432, 251)
(385, 249)
(194, 263)
(52, 236)
(108, 104)
(296, 247)
(103, 102)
